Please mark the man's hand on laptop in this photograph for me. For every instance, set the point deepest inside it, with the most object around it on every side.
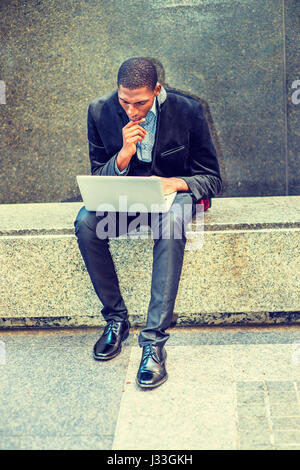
(170, 185)
(132, 134)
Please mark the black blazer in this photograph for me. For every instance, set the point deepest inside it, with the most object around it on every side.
(183, 146)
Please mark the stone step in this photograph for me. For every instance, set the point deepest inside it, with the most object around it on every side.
(243, 268)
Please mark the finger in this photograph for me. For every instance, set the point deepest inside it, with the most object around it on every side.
(134, 136)
(134, 140)
(133, 132)
(136, 127)
(133, 123)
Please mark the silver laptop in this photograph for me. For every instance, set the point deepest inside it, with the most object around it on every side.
(124, 194)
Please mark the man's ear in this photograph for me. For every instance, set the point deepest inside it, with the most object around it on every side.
(157, 89)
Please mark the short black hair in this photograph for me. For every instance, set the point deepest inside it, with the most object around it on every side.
(137, 72)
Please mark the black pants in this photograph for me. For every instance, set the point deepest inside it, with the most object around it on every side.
(169, 241)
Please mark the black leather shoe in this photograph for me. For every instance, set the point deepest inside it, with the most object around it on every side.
(152, 371)
(109, 345)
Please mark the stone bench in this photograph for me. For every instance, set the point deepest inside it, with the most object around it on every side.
(247, 271)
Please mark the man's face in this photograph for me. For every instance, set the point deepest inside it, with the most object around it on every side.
(138, 102)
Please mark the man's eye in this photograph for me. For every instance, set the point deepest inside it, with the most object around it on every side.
(142, 103)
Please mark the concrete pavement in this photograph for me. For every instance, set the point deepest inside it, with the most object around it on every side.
(228, 388)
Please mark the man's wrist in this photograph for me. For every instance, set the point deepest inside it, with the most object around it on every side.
(122, 160)
(119, 172)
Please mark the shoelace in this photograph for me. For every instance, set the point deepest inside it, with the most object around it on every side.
(112, 326)
(149, 351)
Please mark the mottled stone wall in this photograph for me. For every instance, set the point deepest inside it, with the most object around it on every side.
(241, 57)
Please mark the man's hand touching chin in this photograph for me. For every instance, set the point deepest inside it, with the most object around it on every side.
(170, 185)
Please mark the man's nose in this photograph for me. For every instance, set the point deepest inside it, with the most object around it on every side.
(131, 111)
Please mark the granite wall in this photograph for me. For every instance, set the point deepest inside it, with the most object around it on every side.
(240, 57)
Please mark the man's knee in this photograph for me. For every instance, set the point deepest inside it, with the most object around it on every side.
(85, 223)
(170, 225)
(174, 223)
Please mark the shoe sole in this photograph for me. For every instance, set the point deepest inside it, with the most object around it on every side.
(107, 358)
(163, 380)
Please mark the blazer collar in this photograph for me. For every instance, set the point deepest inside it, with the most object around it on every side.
(162, 96)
